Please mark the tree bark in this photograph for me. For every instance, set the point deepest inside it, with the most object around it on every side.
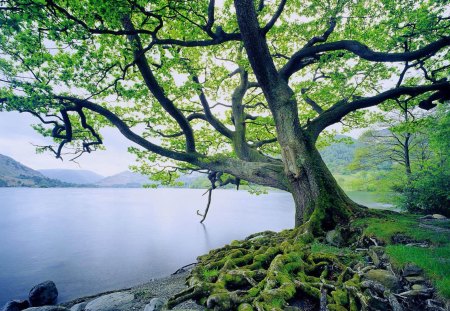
(318, 197)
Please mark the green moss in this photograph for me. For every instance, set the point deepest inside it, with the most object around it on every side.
(340, 297)
(208, 274)
(245, 307)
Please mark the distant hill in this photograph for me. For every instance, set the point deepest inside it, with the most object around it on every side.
(339, 155)
(125, 179)
(15, 174)
(79, 177)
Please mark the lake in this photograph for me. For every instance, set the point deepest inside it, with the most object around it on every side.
(93, 240)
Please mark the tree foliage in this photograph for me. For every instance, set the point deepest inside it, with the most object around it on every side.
(242, 89)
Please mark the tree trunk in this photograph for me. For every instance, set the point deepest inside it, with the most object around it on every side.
(317, 196)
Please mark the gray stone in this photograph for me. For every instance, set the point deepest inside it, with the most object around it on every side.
(156, 304)
(47, 308)
(438, 216)
(374, 256)
(411, 270)
(415, 279)
(16, 305)
(384, 277)
(109, 302)
(418, 287)
(334, 238)
(43, 294)
(79, 306)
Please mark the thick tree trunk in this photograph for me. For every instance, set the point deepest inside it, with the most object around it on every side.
(317, 196)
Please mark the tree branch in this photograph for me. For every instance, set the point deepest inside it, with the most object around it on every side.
(342, 108)
(156, 89)
(361, 50)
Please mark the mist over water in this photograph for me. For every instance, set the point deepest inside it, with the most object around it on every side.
(94, 240)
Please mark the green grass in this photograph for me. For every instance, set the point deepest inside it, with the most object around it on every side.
(435, 260)
(317, 247)
(387, 226)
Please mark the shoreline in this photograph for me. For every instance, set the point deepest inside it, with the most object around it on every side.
(163, 288)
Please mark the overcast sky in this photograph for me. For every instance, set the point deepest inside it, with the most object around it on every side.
(17, 137)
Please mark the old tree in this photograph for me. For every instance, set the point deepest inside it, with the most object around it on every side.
(242, 90)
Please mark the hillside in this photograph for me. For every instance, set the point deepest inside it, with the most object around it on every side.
(15, 174)
(125, 179)
(339, 155)
(79, 177)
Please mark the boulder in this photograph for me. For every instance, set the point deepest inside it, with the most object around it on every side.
(156, 304)
(384, 277)
(43, 294)
(415, 279)
(419, 287)
(78, 306)
(114, 301)
(47, 308)
(411, 270)
(438, 216)
(16, 305)
(334, 238)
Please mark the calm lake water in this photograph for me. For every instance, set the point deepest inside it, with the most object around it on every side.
(94, 240)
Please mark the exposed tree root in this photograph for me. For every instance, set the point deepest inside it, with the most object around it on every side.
(269, 271)
(289, 271)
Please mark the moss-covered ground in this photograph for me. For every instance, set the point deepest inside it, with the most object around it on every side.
(434, 259)
(282, 271)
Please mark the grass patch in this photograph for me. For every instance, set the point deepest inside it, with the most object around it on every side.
(385, 228)
(435, 260)
(317, 247)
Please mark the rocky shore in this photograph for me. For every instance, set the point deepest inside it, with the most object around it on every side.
(151, 296)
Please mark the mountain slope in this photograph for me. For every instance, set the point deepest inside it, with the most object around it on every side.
(80, 177)
(125, 179)
(15, 174)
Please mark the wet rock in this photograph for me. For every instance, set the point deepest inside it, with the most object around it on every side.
(376, 261)
(156, 304)
(412, 270)
(434, 216)
(16, 305)
(374, 286)
(47, 308)
(384, 277)
(434, 305)
(438, 216)
(334, 238)
(416, 293)
(402, 239)
(114, 301)
(418, 287)
(78, 306)
(415, 279)
(378, 303)
(373, 254)
(396, 306)
(43, 294)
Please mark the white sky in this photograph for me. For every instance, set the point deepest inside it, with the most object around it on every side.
(17, 137)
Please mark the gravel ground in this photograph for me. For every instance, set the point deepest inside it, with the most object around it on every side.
(163, 288)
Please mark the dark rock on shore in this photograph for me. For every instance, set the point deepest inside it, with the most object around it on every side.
(47, 308)
(43, 294)
(16, 305)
